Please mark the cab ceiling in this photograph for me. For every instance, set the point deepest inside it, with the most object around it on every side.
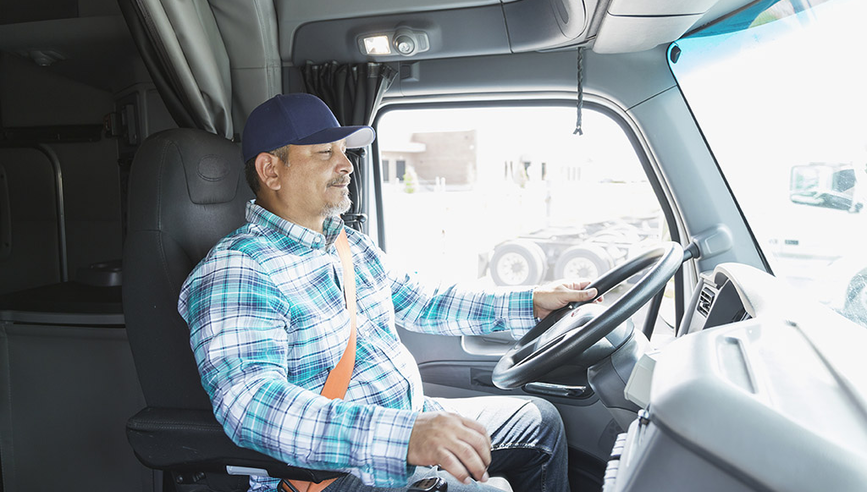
(85, 40)
(324, 31)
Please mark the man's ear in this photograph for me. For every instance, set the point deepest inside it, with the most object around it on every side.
(268, 169)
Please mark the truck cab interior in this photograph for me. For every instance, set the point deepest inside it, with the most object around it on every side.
(702, 162)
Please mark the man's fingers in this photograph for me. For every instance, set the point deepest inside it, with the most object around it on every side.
(461, 446)
(553, 296)
(586, 295)
(473, 460)
(482, 442)
(473, 424)
(453, 465)
(580, 285)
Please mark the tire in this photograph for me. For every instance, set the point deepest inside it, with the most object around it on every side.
(582, 262)
(519, 262)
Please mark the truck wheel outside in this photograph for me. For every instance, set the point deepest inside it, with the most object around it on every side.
(580, 262)
(518, 262)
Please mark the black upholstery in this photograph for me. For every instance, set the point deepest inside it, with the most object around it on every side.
(186, 191)
(190, 440)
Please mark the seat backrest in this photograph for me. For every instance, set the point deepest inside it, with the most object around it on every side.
(186, 191)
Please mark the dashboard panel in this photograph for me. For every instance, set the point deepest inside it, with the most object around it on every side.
(765, 390)
(715, 302)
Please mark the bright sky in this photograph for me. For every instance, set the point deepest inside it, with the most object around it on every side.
(807, 87)
(788, 93)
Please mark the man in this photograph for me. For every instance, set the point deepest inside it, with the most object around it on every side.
(268, 322)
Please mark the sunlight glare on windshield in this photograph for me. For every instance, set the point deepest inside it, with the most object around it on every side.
(784, 111)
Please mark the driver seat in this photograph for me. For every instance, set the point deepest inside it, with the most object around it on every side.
(186, 191)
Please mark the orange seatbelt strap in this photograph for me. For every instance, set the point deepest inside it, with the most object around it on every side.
(338, 379)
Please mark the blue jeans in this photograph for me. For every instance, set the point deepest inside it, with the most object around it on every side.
(528, 446)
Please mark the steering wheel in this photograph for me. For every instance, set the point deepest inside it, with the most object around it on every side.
(569, 332)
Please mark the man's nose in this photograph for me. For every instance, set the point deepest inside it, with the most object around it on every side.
(345, 165)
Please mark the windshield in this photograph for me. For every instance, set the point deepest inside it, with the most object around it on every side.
(780, 98)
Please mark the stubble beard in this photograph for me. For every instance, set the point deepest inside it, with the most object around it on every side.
(336, 209)
(341, 207)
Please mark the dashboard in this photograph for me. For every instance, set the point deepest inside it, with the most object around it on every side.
(715, 302)
(763, 390)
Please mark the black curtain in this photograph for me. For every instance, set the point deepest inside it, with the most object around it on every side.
(353, 92)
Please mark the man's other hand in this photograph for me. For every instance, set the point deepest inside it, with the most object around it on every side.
(553, 296)
(459, 445)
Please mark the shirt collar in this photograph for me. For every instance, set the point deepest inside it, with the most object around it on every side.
(300, 234)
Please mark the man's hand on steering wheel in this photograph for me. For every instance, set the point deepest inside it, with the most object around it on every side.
(553, 296)
(568, 336)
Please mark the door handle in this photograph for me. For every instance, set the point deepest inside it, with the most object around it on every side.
(561, 390)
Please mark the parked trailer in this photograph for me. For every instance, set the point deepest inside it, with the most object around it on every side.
(568, 252)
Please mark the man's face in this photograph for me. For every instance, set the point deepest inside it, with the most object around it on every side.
(314, 183)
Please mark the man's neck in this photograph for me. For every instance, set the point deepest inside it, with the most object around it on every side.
(315, 223)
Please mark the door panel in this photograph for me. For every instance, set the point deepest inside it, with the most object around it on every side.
(449, 372)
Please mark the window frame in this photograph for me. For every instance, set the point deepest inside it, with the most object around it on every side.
(603, 106)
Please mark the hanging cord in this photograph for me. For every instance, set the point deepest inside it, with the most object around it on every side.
(578, 129)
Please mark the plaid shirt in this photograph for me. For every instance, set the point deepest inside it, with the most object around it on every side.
(268, 322)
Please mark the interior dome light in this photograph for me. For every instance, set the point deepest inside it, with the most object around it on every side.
(402, 41)
(377, 45)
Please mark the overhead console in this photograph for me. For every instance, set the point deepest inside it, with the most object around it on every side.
(630, 25)
(465, 29)
(543, 24)
(315, 31)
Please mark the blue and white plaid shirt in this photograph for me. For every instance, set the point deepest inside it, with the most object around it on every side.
(268, 322)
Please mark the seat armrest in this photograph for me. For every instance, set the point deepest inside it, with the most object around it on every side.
(187, 440)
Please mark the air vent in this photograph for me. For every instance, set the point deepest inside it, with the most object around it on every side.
(705, 301)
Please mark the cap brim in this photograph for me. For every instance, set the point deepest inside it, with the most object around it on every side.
(363, 137)
(356, 136)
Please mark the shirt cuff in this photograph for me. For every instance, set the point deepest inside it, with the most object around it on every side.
(521, 317)
(388, 439)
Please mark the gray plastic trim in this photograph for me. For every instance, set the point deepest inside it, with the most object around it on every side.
(773, 400)
(714, 241)
(246, 470)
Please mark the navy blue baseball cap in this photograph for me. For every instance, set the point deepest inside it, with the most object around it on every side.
(297, 119)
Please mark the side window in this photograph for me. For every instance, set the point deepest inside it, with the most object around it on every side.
(507, 196)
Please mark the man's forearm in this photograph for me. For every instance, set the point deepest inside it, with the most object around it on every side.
(456, 311)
